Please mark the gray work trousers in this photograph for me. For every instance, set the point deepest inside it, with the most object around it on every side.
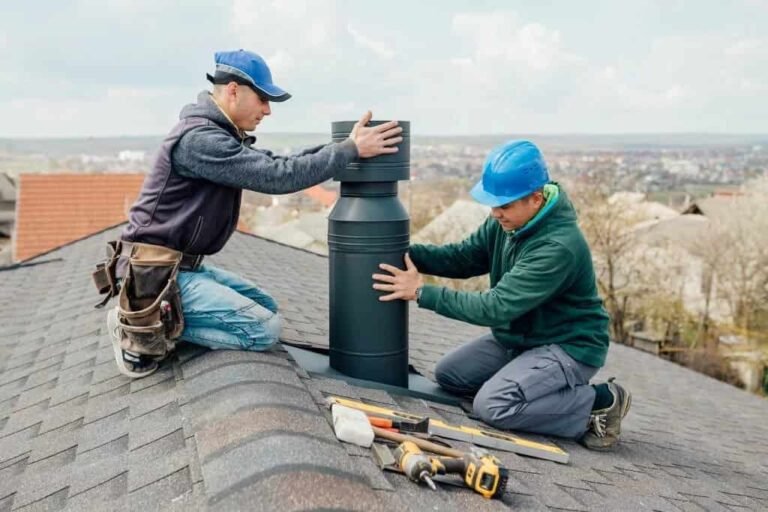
(543, 390)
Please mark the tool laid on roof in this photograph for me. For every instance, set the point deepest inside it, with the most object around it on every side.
(416, 464)
(480, 471)
(421, 427)
(429, 446)
(480, 437)
(351, 425)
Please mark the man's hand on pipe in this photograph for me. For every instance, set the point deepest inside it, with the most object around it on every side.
(375, 140)
(402, 284)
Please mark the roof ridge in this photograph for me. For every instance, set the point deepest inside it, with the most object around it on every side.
(27, 261)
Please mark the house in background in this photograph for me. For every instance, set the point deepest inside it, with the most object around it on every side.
(7, 205)
(299, 220)
(55, 209)
(456, 223)
(7, 216)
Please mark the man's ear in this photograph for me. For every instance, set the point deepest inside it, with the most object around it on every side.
(539, 198)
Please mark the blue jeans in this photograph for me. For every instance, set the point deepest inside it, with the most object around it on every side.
(225, 311)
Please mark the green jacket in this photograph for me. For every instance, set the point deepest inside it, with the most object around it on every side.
(543, 286)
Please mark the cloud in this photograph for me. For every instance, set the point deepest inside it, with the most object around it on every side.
(501, 36)
(114, 112)
(745, 47)
(379, 48)
(286, 28)
(129, 65)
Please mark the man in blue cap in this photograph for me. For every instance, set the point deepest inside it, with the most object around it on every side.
(549, 330)
(190, 202)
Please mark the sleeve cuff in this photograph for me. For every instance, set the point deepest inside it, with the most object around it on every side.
(349, 148)
(429, 296)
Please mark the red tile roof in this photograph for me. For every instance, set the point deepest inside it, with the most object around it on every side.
(322, 195)
(55, 209)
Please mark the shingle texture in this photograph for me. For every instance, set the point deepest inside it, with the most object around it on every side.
(248, 431)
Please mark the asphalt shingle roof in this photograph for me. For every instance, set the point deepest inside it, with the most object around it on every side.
(248, 431)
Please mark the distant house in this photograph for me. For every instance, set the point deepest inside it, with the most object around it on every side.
(713, 207)
(454, 224)
(324, 197)
(7, 216)
(7, 205)
(638, 207)
(675, 242)
(308, 231)
(311, 199)
(56, 209)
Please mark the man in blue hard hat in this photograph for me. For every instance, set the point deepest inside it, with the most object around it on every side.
(549, 330)
(190, 202)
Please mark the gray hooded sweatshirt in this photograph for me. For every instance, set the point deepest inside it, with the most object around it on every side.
(190, 200)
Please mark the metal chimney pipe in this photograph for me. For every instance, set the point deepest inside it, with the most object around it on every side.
(368, 226)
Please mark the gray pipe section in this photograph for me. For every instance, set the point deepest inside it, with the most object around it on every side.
(368, 226)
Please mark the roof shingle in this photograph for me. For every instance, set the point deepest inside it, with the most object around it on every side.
(214, 430)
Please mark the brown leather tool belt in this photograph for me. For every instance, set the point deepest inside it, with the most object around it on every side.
(149, 301)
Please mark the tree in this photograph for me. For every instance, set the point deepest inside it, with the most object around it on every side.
(638, 281)
(741, 239)
(606, 225)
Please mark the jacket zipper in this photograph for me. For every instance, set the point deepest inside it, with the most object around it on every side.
(195, 233)
(509, 250)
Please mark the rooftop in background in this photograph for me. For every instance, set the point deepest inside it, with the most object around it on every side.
(7, 205)
(222, 430)
(55, 209)
(715, 207)
(326, 198)
(7, 188)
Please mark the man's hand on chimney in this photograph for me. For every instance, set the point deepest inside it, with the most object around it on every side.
(375, 140)
(401, 283)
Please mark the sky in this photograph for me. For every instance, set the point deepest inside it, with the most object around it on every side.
(74, 68)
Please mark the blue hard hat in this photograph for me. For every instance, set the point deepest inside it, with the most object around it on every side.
(246, 68)
(510, 172)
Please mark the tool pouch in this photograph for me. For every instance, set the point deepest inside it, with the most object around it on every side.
(104, 277)
(149, 302)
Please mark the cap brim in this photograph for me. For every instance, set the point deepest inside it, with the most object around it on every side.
(480, 195)
(272, 93)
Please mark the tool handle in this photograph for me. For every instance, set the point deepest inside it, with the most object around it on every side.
(453, 465)
(380, 422)
(421, 443)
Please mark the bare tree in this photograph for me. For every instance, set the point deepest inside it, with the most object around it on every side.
(742, 270)
(606, 225)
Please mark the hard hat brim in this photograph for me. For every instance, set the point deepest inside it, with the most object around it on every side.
(480, 195)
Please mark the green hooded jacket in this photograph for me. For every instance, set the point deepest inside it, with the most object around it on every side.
(543, 287)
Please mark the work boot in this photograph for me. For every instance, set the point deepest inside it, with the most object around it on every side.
(605, 424)
(129, 363)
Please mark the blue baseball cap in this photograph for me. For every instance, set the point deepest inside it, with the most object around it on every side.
(246, 68)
